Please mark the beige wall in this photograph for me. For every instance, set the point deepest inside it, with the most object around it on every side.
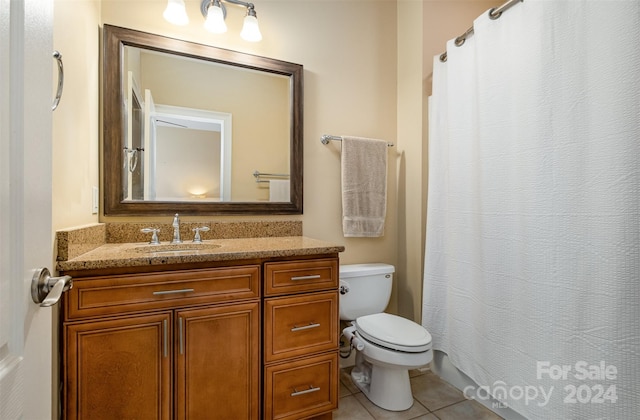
(367, 72)
(349, 55)
(76, 120)
(411, 141)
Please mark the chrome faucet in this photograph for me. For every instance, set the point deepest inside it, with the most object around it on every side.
(176, 230)
(196, 238)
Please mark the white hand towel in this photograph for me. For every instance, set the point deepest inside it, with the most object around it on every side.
(364, 186)
(279, 190)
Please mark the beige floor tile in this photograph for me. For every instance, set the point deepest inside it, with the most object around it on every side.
(426, 417)
(345, 379)
(350, 409)
(430, 393)
(418, 372)
(378, 413)
(433, 392)
(469, 409)
(344, 391)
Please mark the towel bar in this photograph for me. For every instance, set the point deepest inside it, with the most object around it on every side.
(258, 174)
(326, 138)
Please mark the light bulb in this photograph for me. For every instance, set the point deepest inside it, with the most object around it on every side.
(215, 20)
(176, 13)
(250, 30)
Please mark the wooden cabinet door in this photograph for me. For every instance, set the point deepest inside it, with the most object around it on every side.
(218, 362)
(119, 368)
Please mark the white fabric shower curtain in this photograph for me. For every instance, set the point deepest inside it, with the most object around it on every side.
(532, 259)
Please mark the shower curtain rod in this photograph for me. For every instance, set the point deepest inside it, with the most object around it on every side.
(494, 14)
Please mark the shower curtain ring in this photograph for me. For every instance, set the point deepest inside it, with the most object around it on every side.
(493, 15)
(462, 38)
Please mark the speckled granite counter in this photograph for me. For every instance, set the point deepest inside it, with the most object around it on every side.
(130, 254)
(93, 247)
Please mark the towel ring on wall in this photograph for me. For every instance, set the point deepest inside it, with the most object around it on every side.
(56, 100)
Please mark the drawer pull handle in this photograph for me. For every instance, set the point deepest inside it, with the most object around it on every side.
(311, 389)
(165, 341)
(304, 327)
(170, 292)
(311, 277)
(180, 334)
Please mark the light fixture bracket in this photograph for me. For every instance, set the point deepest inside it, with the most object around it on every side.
(204, 7)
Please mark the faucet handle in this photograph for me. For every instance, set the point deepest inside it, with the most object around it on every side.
(196, 237)
(154, 237)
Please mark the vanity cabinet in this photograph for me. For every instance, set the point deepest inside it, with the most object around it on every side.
(301, 338)
(178, 344)
(242, 339)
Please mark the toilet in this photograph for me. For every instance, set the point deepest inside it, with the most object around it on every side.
(386, 345)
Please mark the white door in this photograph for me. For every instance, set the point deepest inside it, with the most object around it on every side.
(26, 350)
(149, 147)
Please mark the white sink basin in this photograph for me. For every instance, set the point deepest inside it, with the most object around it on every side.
(187, 248)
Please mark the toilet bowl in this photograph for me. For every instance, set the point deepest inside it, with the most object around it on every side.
(386, 345)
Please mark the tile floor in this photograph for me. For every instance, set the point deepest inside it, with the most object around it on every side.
(433, 399)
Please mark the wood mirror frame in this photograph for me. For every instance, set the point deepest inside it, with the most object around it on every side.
(114, 40)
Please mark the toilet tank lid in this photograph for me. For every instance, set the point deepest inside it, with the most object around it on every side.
(370, 269)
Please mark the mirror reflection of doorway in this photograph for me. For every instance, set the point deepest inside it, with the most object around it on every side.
(188, 153)
(136, 160)
(133, 161)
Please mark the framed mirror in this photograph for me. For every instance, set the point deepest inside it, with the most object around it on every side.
(194, 129)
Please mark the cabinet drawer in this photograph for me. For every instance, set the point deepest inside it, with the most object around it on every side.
(300, 276)
(302, 388)
(98, 296)
(300, 325)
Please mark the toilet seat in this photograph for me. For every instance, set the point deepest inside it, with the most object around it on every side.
(394, 332)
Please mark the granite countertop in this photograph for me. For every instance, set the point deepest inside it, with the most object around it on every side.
(113, 255)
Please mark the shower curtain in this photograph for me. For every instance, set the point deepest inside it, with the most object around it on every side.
(532, 262)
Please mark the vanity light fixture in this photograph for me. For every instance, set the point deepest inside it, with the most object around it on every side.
(176, 12)
(214, 17)
(215, 12)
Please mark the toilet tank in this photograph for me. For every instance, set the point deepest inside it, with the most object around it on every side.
(369, 289)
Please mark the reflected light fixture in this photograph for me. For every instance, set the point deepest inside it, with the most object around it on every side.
(198, 192)
(215, 12)
(176, 12)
